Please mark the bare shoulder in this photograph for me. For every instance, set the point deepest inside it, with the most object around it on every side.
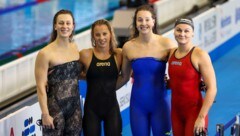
(45, 53)
(118, 55)
(172, 50)
(128, 44)
(85, 53)
(200, 54)
(74, 45)
(118, 51)
(167, 42)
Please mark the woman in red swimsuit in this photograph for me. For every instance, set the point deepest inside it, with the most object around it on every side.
(189, 64)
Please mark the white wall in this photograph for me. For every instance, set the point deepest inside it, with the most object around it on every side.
(17, 76)
(170, 9)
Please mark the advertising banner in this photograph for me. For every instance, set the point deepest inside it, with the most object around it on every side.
(205, 33)
(226, 20)
(22, 122)
(237, 16)
(123, 95)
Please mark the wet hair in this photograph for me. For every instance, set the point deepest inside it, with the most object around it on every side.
(134, 30)
(113, 41)
(187, 21)
(54, 32)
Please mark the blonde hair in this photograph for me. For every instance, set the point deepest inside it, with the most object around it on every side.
(113, 41)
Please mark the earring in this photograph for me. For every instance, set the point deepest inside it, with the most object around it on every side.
(94, 43)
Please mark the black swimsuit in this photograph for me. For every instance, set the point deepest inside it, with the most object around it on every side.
(101, 101)
(64, 100)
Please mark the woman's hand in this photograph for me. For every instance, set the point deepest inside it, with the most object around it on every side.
(199, 125)
(47, 121)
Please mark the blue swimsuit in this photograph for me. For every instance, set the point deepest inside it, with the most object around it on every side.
(149, 105)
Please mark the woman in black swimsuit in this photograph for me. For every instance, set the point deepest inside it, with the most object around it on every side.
(101, 65)
(57, 71)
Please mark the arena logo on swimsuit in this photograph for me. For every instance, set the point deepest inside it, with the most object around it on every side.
(178, 63)
(103, 64)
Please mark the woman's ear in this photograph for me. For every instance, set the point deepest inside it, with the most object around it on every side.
(55, 28)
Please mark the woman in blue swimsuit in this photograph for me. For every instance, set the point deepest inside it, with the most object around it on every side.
(146, 53)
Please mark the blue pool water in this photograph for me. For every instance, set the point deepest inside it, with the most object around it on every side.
(30, 25)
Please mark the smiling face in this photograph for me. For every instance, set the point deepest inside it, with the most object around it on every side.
(64, 25)
(183, 33)
(144, 22)
(101, 36)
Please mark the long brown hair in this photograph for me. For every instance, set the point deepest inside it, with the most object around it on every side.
(134, 30)
(54, 32)
(113, 41)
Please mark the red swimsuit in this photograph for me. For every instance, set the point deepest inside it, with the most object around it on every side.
(186, 96)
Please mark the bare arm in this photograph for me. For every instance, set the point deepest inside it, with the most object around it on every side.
(41, 68)
(82, 72)
(85, 58)
(124, 77)
(119, 58)
(208, 74)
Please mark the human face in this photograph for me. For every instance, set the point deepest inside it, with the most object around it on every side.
(183, 33)
(101, 35)
(64, 25)
(144, 22)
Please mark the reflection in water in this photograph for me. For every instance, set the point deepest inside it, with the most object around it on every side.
(30, 26)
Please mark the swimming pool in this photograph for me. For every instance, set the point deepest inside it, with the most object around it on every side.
(28, 25)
